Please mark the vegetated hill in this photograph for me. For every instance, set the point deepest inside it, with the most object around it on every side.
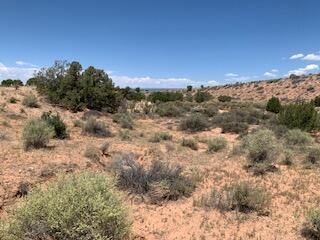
(286, 89)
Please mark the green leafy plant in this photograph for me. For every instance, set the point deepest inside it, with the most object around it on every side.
(273, 105)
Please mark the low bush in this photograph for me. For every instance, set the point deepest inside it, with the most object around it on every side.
(300, 115)
(92, 153)
(216, 144)
(59, 127)
(125, 135)
(316, 101)
(95, 128)
(169, 109)
(262, 146)
(158, 137)
(298, 137)
(224, 98)
(194, 123)
(124, 120)
(82, 206)
(13, 100)
(190, 143)
(30, 101)
(78, 123)
(202, 96)
(210, 110)
(311, 228)
(234, 127)
(165, 96)
(241, 197)
(36, 134)
(313, 155)
(273, 105)
(160, 181)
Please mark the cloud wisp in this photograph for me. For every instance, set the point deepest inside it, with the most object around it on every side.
(307, 69)
(22, 72)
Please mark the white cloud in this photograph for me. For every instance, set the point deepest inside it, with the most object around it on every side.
(239, 78)
(22, 63)
(312, 57)
(231, 75)
(305, 70)
(270, 74)
(22, 73)
(149, 82)
(297, 56)
(274, 70)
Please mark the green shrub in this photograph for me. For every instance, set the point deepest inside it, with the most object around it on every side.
(165, 96)
(125, 135)
(311, 228)
(13, 100)
(169, 109)
(201, 96)
(124, 120)
(36, 134)
(59, 127)
(224, 98)
(234, 127)
(316, 101)
(92, 153)
(301, 115)
(273, 105)
(10, 83)
(67, 85)
(159, 136)
(194, 123)
(262, 146)
(95, 128)
(190, 143)
(82, 206)
(160, 181)
(210, 110)
(241, 197)
(313, 155)
(298, 137)
(30, 101)
(216, 144)
(189, 88)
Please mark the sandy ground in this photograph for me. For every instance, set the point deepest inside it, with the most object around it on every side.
(293, 189)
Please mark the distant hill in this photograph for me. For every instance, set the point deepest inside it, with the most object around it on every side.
(293, 88)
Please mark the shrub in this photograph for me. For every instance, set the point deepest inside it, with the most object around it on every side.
(316, 101)
(210, 110)
(298, 137)
(92, 153)
(201, 96)
(125, 135)
(160, 181)
(67, 85)
(169, 109)
(262, 146)
(190, 143)
(189, 88)
(301, 115)
(78, 123)
(36, 134)
(273, 105)
(165, 96)
(313, 155)
(246, 198)
(311, 229)
(95, 128)
(241, 197)
(234, 127)
(158, 137)
(124, 120)
(91, 113)
(216, 144)
(194, 123)
(224, 98)
(82, 206)
(59, 127)
(30, 101)
(13, 100)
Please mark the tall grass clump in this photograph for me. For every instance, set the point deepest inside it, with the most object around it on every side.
(123, 119)
(82, 206)
(297, 137)
(36, 134)
(194, 123)
(216, 144)
(95, 128)
(30, 101)
(190, 143)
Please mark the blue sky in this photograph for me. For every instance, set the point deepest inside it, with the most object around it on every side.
(164, 43)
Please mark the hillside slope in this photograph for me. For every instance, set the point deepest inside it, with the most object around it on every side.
(286, 89)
